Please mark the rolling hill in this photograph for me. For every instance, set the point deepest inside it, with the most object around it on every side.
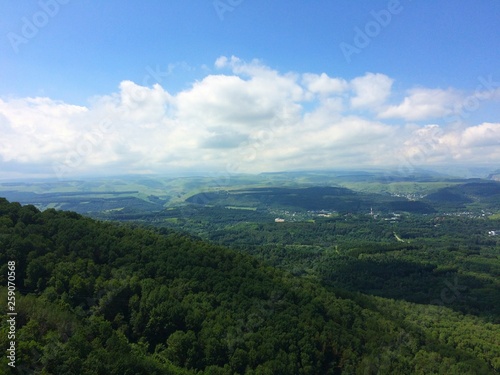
(104, 298)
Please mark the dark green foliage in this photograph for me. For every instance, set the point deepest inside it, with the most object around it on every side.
(312, 198)
(101, 298)
(483, 194)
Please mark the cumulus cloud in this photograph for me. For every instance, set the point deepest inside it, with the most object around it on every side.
(246, 118)
(371, 90)
(323, 84)
(484, 135)
(435, 144)
(424, 103)
(33, 129)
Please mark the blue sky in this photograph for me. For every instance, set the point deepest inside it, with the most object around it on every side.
(430, 67)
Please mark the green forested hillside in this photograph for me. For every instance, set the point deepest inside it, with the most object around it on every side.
(101, 298)
(412, 258)
(310, 198)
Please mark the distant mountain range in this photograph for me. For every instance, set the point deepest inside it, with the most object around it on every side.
(421, 192)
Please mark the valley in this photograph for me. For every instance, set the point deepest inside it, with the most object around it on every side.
(265, 275)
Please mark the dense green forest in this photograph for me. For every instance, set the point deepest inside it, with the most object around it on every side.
(404, 256)
(475, 195)
(412, 258)
(108, 298)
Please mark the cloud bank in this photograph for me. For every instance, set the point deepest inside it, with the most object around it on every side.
(245, 117)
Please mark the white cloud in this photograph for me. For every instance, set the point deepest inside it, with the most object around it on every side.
(484, 135)
(433, 144)
(371, 90)
(252, 95)
(249, 119)
(35, 128)
(422, 104)
(324, 85)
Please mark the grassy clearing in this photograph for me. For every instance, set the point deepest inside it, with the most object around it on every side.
(241, 208)
(398, 187)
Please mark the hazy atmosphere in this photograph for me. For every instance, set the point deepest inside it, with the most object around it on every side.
(246, 86)
(252, 187)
